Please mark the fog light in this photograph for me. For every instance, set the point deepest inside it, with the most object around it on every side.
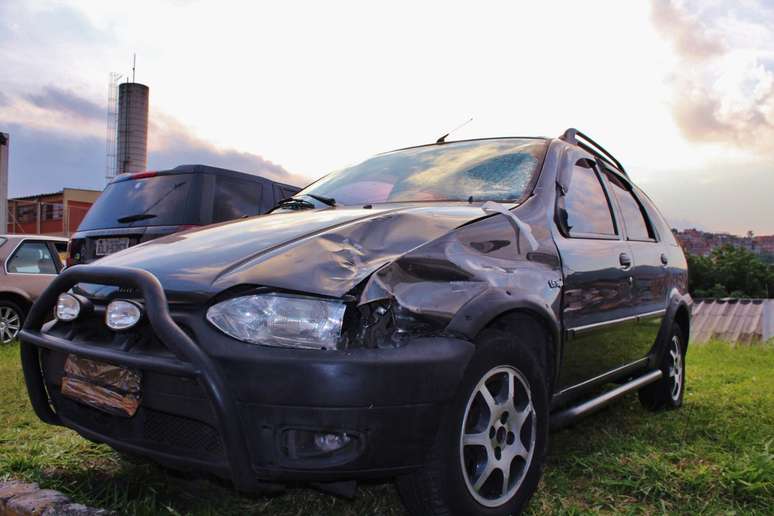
(331, 442)
(67, 307)
(122, 315)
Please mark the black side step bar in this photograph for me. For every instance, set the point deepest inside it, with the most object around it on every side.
(568, 415)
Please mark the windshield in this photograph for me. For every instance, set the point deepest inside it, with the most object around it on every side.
(496, 170)
(151, 201)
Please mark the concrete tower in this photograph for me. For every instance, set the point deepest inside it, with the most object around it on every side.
(132, 130)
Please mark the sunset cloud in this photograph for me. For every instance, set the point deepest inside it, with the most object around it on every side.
(58, 133)
(723, 81)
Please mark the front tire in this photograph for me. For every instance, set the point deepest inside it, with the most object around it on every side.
(668, 392)
(490, 449)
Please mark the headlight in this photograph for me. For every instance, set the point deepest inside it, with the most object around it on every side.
(67, 307)
(122, 315)
(277, 320)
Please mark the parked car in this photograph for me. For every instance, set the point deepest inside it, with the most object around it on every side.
(135, 208)
(30, 262)
(427, 314)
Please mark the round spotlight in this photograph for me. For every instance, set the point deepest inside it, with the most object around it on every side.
(67, 307)
(122, 315)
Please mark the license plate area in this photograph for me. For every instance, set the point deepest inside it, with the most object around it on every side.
(106, 387)
(106, 246)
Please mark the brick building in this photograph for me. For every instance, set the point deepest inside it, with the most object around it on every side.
(57, 213)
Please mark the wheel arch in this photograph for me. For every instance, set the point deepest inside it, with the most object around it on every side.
(682, 318)
(522, 317)
(23, 301)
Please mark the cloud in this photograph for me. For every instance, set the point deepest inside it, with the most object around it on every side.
(44, 160)
(67, 102)
(723, 81)
(172, 144)
(58, 140)
(55, 110)
(691, 38)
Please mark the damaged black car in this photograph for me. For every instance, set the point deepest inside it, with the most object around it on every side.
(426, 315)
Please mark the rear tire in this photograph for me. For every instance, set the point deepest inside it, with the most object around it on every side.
(11, 321)
(668, 392)
(490, 448)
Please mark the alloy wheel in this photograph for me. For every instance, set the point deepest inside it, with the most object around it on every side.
(498, 435)
(10, 323)
(676, 368)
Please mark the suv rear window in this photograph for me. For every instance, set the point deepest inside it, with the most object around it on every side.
(163, 200)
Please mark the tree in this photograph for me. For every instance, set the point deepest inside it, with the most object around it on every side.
(730, 271)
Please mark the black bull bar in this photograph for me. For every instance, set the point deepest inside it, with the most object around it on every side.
(190, 359)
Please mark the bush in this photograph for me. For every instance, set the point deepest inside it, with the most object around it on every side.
(730, 272)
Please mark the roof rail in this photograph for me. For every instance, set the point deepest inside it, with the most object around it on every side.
(575, 137)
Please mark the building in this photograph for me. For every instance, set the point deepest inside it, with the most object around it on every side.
(702, 243)
(57, 213)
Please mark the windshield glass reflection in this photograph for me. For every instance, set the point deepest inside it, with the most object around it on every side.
(496, 170)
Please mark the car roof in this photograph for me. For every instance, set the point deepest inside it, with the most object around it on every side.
(204, 169)
(451, 142)
(22, 236)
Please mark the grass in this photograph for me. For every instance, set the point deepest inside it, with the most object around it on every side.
(715, 455)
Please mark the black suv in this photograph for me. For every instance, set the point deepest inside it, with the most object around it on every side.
(135, 208)
(427, 315)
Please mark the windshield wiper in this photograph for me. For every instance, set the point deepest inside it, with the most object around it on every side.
(330, 201)
(136, 217)
(294, 203)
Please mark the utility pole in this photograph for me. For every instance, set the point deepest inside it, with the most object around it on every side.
(5, 144)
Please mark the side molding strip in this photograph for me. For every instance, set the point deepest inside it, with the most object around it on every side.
(613, 322)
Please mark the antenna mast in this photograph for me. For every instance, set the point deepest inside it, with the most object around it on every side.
(442, 139)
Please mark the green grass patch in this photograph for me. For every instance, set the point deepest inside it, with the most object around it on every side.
(715, 455)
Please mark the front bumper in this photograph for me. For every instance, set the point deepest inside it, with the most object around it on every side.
(213, 404)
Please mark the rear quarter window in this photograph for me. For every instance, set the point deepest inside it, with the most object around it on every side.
(663, 230)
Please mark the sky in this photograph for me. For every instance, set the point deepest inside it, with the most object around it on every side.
(681, 91)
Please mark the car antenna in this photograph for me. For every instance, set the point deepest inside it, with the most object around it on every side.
(442, 139)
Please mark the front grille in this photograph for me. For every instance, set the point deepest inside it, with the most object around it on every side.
(148, 428)
(181, 432)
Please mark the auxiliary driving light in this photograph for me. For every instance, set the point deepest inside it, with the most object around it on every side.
(122, 315)
(331, 442)
(67, 307)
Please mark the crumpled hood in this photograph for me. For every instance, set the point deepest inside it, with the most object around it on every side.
(324, 252)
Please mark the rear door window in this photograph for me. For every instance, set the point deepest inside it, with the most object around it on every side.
(32, 258)
(235, 199)
(637, 226)
(584, 209)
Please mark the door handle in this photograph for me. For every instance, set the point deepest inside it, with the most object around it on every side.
(625, 260)
(664, 259)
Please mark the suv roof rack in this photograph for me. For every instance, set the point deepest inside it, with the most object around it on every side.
(575, 137)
